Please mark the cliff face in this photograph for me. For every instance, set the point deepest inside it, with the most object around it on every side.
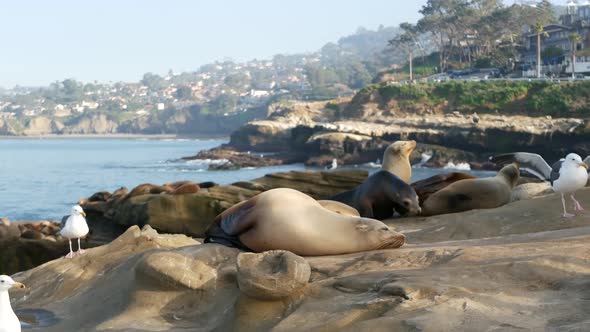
(188, 121)
(358, 132)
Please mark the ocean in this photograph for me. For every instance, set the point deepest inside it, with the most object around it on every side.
(40, 179)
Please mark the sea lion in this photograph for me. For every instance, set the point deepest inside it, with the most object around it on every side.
(425, 188)
(290, 220)
(146, 189)
(380, 195)
(339, 208)
(177, 184)
(207, 185)
(469, 194)
(187, 188)
(396, 159)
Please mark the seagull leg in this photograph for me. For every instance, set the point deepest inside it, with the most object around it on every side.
(565, 214)
(71, 254)
(577, 206)
(80, 250)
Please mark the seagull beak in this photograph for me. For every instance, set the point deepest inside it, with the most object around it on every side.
(83, 213)
(18, 285)
(584, 165)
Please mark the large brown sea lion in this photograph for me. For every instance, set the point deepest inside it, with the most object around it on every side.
(469, 194)
(187, 188)
(425, 188)
(396, 159)
(380, 195)
(290, 220)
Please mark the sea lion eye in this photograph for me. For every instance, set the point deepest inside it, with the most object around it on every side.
(406, 203)
(383, 229)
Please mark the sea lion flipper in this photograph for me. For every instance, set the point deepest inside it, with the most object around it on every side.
(237, 223)
(457, 200)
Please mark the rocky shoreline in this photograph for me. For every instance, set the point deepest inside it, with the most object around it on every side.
(503, 269)
(315, 133)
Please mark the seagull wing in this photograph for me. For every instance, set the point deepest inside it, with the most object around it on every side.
(530, 162)
(587, 160)
(555, 171)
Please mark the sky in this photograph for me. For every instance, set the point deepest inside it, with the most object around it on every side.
(119, 40)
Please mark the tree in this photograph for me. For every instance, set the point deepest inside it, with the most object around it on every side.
(407, 42)
(237, 81)
(153, 82)
(552, 52)
(574, 38)
(540, 30)
(183, 92)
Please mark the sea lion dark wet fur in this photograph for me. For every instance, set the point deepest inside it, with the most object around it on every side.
(380, 195)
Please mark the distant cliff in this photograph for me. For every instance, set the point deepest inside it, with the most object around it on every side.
(458, 121)
(188, 121)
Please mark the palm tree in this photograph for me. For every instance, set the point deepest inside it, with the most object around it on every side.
(574, 38)
(540, 31)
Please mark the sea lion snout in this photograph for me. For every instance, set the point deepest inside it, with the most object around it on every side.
(412, 206)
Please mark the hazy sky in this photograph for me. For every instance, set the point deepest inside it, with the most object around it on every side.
(110, 40)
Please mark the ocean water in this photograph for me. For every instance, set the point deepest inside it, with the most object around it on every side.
(42, 178)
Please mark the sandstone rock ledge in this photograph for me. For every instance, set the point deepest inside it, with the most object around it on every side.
(518, 267)
(192, 214)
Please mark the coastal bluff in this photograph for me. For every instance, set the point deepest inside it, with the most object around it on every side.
(517, 267)
(357, 130)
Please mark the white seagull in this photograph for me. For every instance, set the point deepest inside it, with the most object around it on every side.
(75, 228)
(333, 166)
(566, 176)
(8, 320)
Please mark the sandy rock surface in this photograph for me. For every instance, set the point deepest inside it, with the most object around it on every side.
(520, 267)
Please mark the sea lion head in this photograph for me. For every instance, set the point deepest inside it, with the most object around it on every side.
(400, 148)
(511, 173)
(406, 200)
(376, 235)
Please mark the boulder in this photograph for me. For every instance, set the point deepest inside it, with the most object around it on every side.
(190, 267)
(272, 275)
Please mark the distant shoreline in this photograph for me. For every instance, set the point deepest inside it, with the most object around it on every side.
(113, 136)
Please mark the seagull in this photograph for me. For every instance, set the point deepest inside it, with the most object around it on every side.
(8, 320)
(566, 176)
(75, 228)
(333, 166)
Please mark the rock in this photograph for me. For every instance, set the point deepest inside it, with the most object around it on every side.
(4, 221)
(192, 268)
(272, 275)
(530, 190)
(472, 271)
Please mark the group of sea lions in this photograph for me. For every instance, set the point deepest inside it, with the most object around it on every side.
(350, 221)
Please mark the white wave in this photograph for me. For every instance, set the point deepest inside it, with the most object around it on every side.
(372, 165)
(207, 162)
(459, 166)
